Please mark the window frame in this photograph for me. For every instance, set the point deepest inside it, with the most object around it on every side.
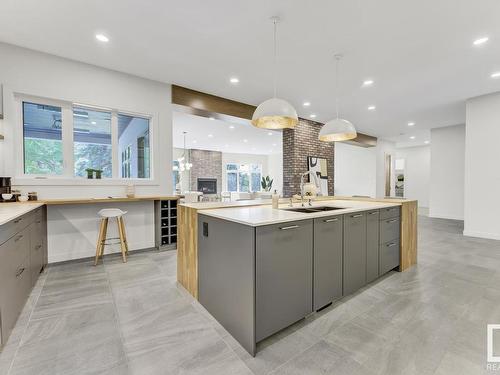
(68, 177)
(239, 170)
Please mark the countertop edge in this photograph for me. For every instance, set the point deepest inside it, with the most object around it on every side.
(32, 206)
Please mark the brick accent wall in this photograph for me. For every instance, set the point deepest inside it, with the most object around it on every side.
(206, 164)
(298, 144)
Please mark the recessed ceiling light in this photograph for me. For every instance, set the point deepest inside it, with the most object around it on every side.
(234, 80)
(102, 38)
(495, 75)
(412, 137)
(306, 104)
(94, 123)
(195, 141)
(427, 142)
(371, 108)
(411, 123)
(274, 145)
(480, 41)
(270, 133)
(210, 136)
(211, 118)
(368, 82)
(245, 140)
(312, 115)
(231, 126)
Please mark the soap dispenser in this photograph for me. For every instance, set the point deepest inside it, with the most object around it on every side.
(276, 199)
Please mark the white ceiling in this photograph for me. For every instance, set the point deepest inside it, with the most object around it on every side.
(239, 137)
(419, 53)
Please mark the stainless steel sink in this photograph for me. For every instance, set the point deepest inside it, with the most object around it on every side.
(311, 210)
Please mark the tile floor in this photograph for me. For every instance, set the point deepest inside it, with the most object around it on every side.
(134, 319)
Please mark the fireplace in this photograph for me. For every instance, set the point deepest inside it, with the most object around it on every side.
(207, 185)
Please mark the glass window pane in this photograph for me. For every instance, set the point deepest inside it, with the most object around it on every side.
(232, 182)
(256, 177)
(232, 167)
(133, 146)
(92, 141)
(244, 182)
(42, 128)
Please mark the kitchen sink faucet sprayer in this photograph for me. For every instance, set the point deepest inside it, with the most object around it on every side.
(316, 184)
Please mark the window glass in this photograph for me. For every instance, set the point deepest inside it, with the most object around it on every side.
(232, 181)
(92, 141)
(42, 133)
(133, 146)
(244, 185)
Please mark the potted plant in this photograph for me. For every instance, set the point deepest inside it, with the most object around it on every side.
(90, 173)
(266, 183)
(98, 173)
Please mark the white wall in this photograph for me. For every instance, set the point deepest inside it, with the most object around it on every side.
(482, 170)
(447, 172)
(275, 171)
(73, 229)
(417, 173)
(355, 170)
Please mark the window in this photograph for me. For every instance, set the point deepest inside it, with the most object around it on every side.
(133, 144)
(92, 141)
(243, 177)
(62, 139)
(42, 143)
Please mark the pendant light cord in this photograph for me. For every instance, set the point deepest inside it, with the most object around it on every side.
(337, 58)
(275, 21)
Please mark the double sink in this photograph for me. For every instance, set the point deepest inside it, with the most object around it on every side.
(312, 210)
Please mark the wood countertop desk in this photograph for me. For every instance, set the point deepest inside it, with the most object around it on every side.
(187, 237)
(106, 200)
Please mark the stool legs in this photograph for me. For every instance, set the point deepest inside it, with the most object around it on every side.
(122, 222)
(123, 243)
(100, 240)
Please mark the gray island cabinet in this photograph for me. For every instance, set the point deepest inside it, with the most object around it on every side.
(257, 280)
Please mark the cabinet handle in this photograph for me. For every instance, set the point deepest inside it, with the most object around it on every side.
(17, 220)
(391, 221)
(20, 272)
(374, 213)
(290, 227)
(358, 215)
(331, 220)
(18, 238)
(38, 247)
(39, 221)
(392, 244)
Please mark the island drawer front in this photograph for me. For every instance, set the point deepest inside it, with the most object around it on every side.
(389, 229)
(372, 245)
(389, 212)
(284, 275)
(389, 256)
(14, 226)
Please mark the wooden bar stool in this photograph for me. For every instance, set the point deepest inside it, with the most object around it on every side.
(105, 215)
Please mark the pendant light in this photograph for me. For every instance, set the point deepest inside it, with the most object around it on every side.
(275, 113)
(338, 129)
(184, 165)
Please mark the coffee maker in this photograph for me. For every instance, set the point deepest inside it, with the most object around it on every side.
(5, 187)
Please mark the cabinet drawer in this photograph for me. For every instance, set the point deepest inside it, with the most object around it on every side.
(36, 249)
(389, 229)
(389, 212)
(389, 256)
(15, 226)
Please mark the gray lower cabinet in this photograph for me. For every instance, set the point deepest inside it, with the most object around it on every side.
(328, 241)
(354, 265)
(22, 256)
(372, 245)
(390, 234)
(283, 274)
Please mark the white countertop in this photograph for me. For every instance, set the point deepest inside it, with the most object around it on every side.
(11, 211)
(242, 203)
(265, 214)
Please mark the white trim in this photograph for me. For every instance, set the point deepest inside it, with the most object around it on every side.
(65, 181)
(489, 236)
(444, 216)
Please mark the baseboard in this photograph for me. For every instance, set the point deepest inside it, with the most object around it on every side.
(444, 216)
(489, 236)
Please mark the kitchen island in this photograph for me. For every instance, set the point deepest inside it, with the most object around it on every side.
(260, 269)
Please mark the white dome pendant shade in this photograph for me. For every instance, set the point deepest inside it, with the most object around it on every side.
(338, 129)
(275, 113)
